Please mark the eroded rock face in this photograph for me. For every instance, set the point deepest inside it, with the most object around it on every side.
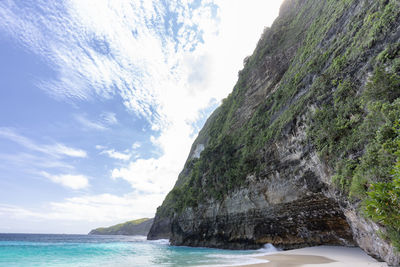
(310, 221)
(161, 228)
(367, 235)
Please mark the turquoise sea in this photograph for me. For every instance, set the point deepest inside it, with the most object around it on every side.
(89, 250)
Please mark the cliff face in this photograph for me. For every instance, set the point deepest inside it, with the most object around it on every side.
(135, 227)
(291, 156)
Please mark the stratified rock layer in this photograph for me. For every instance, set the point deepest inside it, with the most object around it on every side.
(313, 220)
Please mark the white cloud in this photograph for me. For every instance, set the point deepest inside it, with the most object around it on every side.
(84, 212)
(125, 155)
(25, 161)
(67, 151)
(57, 150)
(106, 207)
(148, 176)
(109, 118)
(136, 145)
(159, 174)
(68, 180)
(116, 155)
(103, 122)
(18, 212)
(88, 124)
(100, 147)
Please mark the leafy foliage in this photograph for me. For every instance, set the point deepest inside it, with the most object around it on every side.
(384, 86)
(383, 202)
(383, 206)
(355, 135)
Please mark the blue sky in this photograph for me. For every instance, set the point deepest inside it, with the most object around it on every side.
(101, 100)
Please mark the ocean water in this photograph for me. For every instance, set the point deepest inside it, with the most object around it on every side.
(90, 250)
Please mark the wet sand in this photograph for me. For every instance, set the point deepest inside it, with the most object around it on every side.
(323, 256)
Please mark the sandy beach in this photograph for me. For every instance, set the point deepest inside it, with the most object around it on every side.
(324, 256)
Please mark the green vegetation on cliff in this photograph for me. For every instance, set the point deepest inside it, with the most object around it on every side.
(359, 138)
(343, 82)
(383, 201)
(134, 227)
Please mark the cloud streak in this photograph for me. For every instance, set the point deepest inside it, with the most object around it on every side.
(100, 208)
(75, 182)
(88, 124)
(116, 155)
(57, 150)
(109, 118)
(21, 161)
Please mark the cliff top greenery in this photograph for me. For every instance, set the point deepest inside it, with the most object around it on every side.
(118, 227)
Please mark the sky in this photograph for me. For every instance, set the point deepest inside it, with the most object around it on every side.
(101, 100)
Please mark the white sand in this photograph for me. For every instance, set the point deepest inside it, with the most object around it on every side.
(323, 256)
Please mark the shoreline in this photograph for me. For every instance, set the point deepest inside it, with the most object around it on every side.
(323, 256)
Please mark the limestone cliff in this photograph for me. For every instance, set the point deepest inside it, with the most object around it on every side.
(292, 153)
